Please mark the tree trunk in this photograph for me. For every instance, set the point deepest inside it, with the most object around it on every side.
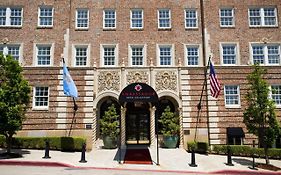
(9, 143)
(266, 155)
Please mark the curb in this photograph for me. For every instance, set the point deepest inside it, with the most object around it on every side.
(59, 164)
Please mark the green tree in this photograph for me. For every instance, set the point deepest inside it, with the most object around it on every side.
(259, 116)
(109, 123)
(170, 122)
(14, 98)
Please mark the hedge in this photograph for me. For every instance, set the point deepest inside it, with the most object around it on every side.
(56, 143)
(200, 147)
(242, 150)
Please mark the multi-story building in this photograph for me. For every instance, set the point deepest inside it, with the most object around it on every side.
(108, 45)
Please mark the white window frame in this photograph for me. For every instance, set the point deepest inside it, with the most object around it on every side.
(172, 54)
(170, 19)
(115, 19)
(265, 51)
(277, 105)
(6, 50)
(116, 52)
(74, 47)
(76, 19)
(237, 53)
(131, 16)
(39, 13)
(35, 61)
(34, 107)
(185, 24)
(186, 54)
(131, 46)
(8, 16)
(239, 98)
(262, 17)
(233, 17)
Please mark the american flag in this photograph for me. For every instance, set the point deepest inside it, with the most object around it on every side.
(215, 84)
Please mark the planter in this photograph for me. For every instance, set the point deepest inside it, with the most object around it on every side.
(109, 142)
(170, 141)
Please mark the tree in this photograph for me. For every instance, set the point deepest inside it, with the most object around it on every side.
(109, 123)
(259, 116)
(14, 98)
(170, 122)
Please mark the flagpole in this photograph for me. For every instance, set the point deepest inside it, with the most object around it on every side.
(75, 108)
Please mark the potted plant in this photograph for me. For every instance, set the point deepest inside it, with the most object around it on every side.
(170, 128)
(109, 126)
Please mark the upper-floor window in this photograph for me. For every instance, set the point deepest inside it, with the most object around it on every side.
(229, 54)
(11, 49)
(11, 16)
(136, 18)
(231, 96)
(165, 55)
(109, 56)
(41, 98)
(227, 17)
(263, 17)
(109, 19)
(81, 55)
(266, 54)
(276, 94)
(45, 17)
(164, 18)
(191, 18)
(82, 18)
(44, 54)
(192, 55)
(137, 55)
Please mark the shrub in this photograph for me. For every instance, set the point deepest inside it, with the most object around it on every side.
(191, 146)
(56, 143)
(199, 147)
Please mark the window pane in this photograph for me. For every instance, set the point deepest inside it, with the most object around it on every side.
(109, 56)
(136, 19)
(229, 54)
(164, 18)
(165, 56)
(41, 96)
(46, 16)
(231, 95)
(226, 17)
(82, 18)
(137, 55)
(269, 17)
(44, 55)
(109, 18)
(190, 18)
(276, 94)
(81, 57)
(2, 16)
(255, 17)
(258, 54)
(192, 56)
(14, 51)
(16, 17)
(273, 54)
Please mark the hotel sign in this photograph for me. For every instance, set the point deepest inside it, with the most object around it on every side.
(138, 92)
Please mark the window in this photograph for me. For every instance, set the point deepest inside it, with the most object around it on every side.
(231, 95)
(165, 55)
(164, 19)
(109, 56)
(109, 19)
(266, 54)
(13, 50)
(136, 19)
(226, 17)
(190, 18)
(43, 55)
(235, 135)
(82, 18)
(229, 54)
(192, 55)
(276, 94)
(11, 16)
(45, 17)
(137, 55)
(263, 17)
(81, 55)
(41, 97)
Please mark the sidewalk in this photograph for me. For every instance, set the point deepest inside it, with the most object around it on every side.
(170, 160)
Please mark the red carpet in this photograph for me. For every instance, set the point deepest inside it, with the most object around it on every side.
(137, 156)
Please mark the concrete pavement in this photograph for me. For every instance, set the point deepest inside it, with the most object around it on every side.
(171, 160)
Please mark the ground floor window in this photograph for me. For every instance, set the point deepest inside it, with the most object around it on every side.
(235, 136)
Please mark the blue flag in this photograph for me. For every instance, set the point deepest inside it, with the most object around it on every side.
(69, 87)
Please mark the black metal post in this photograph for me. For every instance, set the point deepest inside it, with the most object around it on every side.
(193, 164)
(83, 157)
(157, 137)
(229, 159)
(253, 155)
(47, 149)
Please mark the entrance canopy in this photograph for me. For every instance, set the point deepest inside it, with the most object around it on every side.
(138, 92)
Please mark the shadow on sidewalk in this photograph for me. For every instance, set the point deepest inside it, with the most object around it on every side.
(15, 153)
(242, 161)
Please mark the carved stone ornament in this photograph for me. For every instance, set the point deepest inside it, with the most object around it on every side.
(166, 80)
(137, 76)
(108, 81)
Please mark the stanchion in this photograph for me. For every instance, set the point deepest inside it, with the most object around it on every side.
(47, 149)
(83, 157)
(253, 155)
(229, 159)
(193, 164)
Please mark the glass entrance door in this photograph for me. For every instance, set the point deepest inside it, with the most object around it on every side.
(137, 128)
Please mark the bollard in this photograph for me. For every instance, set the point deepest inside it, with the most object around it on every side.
(193, 164)
(229, 160)
(253, 155)
(47, 149)
(83, 157)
